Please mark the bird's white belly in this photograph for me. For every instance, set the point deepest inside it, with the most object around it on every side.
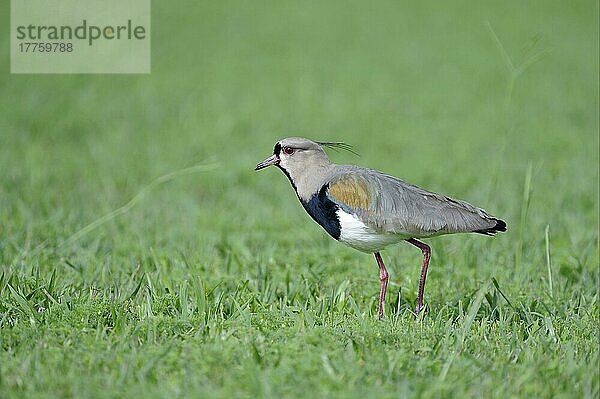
(358, 235)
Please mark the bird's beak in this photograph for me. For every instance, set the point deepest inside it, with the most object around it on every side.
(272, 160)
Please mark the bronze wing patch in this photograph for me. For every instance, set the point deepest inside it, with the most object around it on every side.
(351, 192)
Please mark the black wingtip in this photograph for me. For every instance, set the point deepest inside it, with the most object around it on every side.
(500, 226)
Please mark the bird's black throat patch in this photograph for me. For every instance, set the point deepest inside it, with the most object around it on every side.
(323, 211)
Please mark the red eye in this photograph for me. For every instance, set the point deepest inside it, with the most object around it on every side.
(288, 150)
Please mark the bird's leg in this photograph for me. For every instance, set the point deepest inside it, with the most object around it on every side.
(426, 254)
(383, 281)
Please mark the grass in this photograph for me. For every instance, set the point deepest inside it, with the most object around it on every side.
(216, 284)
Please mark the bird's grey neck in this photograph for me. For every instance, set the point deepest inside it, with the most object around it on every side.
(309, 180)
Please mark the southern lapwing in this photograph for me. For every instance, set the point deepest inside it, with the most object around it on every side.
(369, 210)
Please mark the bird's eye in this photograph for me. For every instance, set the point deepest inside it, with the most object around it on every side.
(288, 150)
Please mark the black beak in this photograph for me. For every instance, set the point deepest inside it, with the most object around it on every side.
(272, 160)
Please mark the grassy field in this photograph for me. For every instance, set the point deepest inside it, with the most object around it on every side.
(216, 284)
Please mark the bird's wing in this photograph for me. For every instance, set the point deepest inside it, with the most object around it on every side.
(351, 192)
(391, 205)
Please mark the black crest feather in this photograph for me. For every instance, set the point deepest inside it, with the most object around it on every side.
(337, 146)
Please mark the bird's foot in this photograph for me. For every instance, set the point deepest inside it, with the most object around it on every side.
(419, 310)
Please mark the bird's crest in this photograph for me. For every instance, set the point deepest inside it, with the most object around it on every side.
(337, 146)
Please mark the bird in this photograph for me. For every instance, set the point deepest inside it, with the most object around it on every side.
(369, 210)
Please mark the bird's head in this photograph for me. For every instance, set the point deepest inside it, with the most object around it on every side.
(295, 155)
(304, 162)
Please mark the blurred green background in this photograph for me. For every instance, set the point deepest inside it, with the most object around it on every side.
(492, 102)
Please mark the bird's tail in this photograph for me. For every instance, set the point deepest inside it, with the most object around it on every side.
(499, 226)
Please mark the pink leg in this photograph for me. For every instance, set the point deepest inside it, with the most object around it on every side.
(383, 279)
(426, 255)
